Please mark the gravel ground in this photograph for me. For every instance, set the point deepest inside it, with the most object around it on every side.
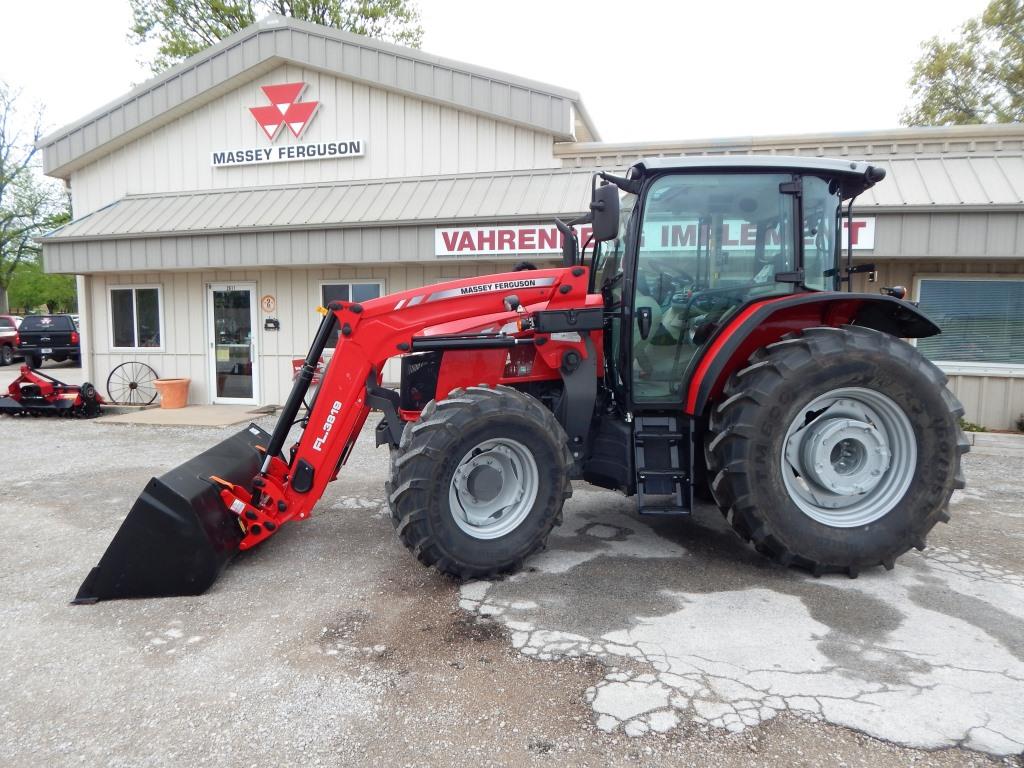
(329, 644)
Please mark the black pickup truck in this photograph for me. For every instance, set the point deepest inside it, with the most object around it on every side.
(53, 337)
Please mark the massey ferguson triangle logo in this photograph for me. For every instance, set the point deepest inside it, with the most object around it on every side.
(285, 109)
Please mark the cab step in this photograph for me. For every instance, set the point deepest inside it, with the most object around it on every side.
(662, 461)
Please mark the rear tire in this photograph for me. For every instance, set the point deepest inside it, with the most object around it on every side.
(836, 450)
(34, 361)
(496, 443)
(6, 355)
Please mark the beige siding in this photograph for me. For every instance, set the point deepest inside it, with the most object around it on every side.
(949, 235)
(403, 136)
(995, 401)
(185, 317)
(906, 272)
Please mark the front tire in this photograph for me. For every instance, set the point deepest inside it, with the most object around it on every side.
(836, 450)
(479, 481)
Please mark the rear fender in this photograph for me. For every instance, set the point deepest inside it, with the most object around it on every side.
(766, 322)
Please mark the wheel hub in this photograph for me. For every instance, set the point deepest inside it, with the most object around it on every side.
(493, 488)
(845, 456)
(849, 456)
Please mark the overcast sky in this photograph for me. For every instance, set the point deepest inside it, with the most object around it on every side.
(646, 70)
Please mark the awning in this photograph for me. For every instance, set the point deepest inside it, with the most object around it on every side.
(489, 197)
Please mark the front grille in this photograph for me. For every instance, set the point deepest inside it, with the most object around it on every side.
(419, 379)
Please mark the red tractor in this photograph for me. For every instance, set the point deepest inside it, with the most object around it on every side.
(705, 346)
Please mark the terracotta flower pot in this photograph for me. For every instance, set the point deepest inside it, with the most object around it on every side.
(173, 392)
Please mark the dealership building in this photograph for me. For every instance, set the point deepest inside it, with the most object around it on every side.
(218, 204)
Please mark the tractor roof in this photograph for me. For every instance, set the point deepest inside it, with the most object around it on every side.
(855, 175)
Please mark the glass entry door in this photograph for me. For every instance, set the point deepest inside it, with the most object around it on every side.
(232, 341)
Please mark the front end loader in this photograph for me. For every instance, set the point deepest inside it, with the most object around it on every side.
(705, 347)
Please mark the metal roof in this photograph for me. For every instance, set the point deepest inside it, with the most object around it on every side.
(949, 181)
(276, 39)
(935, 168)
(485, 197)
(921, 184)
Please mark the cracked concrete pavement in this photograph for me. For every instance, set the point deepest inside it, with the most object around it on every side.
(629, 641)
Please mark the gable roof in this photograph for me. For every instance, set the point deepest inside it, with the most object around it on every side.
(275, 40)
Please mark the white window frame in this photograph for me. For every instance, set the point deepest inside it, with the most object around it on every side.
(959, 367)
(160, 313)
(349, 282)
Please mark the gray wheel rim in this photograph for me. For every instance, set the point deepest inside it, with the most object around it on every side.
(493, 488)
(849, 457)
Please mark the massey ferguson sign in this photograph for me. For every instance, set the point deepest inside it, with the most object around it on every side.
(285, 112)
(518, 240)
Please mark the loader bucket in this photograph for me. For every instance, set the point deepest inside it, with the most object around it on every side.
(178, 536)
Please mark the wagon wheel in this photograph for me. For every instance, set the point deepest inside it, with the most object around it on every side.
(132, 384)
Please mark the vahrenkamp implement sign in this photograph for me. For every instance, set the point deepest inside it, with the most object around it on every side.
(658, 236)
(285, 110)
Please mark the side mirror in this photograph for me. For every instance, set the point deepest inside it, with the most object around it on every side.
(604, 209)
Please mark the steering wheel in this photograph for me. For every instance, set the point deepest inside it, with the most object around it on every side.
(700, 304)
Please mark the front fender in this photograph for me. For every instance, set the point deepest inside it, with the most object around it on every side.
(766, 321)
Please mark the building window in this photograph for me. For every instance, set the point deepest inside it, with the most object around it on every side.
(363, 290)
(135, 317)
(982, 322)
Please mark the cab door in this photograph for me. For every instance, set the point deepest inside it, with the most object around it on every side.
(707, 244)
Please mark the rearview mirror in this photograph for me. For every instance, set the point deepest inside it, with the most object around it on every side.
(604, 207)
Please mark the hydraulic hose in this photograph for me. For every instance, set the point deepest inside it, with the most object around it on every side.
(299, 388)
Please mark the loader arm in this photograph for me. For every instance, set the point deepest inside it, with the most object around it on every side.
(287, 488)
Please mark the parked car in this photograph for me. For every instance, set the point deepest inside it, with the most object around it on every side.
(9, 338)
(48, 337)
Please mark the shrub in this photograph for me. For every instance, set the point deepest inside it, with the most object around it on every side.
(970, 426)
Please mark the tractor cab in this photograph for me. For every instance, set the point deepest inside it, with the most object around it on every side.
(698, 239)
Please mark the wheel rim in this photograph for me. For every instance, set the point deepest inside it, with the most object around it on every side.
(493, 488)
(132, 384)
(849, 457)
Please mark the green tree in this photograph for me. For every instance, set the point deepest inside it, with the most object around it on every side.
(976, 78)
(182, 28)
(31, 287)
(29, 204)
